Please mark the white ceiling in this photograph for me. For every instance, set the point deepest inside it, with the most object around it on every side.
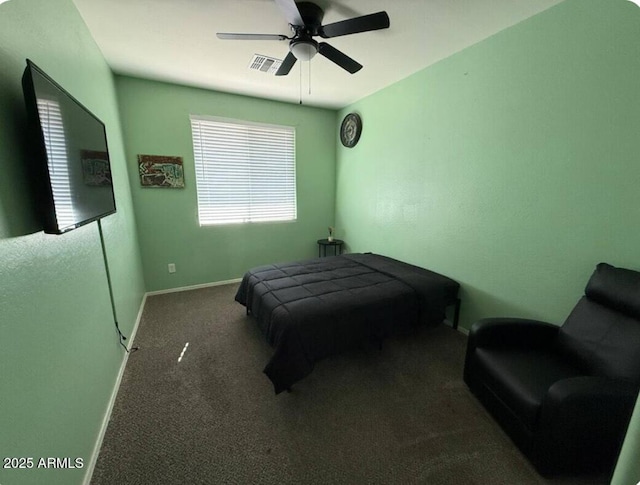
(175, 41)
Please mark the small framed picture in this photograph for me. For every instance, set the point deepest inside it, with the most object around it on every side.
(161, 171)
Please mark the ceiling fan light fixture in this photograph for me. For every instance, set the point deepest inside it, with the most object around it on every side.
(304, 50)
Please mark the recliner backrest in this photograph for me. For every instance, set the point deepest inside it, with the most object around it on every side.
(602, 333)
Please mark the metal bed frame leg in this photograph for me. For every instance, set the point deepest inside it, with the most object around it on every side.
(456, 313)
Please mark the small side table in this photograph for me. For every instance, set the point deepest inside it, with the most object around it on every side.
(323, 244)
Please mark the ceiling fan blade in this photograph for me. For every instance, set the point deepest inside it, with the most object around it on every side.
(286, 65)
(228, 36)
(291, 12)
(374, 21)
(341, 59)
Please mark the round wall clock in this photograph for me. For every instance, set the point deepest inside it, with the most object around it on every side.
(350, 130)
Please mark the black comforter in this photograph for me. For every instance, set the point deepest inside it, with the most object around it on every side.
(310, 309)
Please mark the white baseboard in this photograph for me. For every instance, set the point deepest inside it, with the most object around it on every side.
(105, 422)
(194, 287)
(114, 393)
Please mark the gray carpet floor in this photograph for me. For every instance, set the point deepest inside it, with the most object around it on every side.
(396, 415)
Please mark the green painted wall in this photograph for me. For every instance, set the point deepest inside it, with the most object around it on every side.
(155, 119)
(59, 354)
(512, 166)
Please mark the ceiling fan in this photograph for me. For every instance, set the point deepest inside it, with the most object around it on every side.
(305, 19)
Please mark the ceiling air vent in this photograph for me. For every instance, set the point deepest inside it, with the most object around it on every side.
(265, 64)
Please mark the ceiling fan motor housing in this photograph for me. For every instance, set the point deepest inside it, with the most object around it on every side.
(312, 16)
(302, 45)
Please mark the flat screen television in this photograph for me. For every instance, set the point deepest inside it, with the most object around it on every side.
(72, 172)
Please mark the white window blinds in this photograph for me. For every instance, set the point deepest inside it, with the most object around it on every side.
(245, 172)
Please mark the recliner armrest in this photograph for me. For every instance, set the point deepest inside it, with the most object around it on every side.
(583, 414)
(506, 333)
(509, 332)
(583, 390)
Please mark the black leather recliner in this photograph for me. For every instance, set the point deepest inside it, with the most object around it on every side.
(564, 394)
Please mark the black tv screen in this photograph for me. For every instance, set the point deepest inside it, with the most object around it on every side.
(72, 169)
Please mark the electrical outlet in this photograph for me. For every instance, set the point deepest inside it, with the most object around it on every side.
(171, 267)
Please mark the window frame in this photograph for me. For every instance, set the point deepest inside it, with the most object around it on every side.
(253, 165)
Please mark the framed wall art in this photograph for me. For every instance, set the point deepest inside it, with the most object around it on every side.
(161, 171)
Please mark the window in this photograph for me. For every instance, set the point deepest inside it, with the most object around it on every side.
(245, 172)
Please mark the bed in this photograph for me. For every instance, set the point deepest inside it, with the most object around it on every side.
(308, 310)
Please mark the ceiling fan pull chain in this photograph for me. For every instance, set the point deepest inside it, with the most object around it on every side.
(300, 83)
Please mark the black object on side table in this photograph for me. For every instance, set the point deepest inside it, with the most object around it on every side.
(323, 244)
